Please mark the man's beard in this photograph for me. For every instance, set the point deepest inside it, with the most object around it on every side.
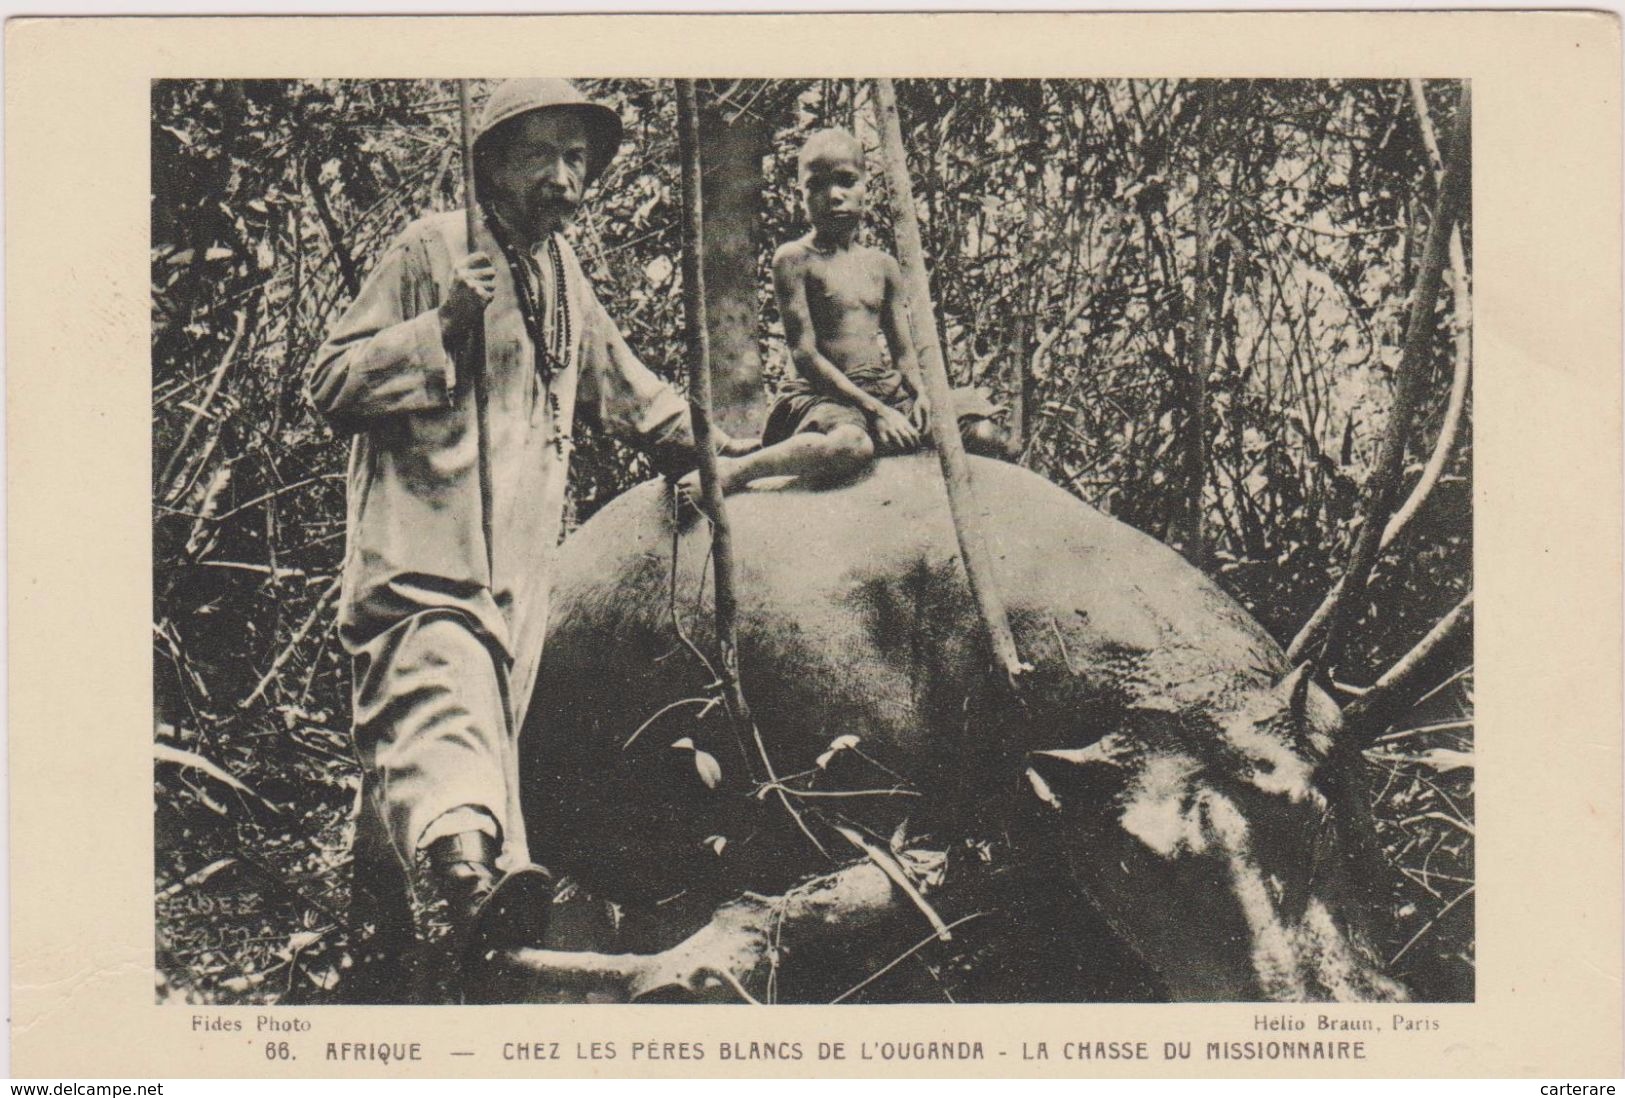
(549, 211)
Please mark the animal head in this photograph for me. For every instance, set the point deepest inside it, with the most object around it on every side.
(1231, 848)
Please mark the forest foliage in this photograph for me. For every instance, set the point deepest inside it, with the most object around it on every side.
(1190, 297)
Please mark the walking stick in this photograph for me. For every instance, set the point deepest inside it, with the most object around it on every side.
(519, 890)
(474, 356)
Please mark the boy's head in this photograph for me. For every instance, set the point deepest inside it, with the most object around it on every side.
(834, 184)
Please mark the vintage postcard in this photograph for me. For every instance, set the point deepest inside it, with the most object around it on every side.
(1059, 545)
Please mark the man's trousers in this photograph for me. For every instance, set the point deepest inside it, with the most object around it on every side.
(433, 732)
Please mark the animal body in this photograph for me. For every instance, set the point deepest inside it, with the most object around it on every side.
(1183, 790)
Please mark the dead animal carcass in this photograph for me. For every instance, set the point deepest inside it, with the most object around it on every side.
(1170, 788)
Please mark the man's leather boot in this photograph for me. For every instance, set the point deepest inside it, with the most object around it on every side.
(515, 914)
(463, 867)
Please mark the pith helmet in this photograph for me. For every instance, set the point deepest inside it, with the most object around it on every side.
(513, 98)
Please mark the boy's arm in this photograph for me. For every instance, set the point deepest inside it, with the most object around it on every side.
(790, 286)
(900, 338)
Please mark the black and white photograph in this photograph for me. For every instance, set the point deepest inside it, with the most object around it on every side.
(815, 541)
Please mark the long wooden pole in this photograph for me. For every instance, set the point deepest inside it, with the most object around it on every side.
(474, 357)
(969, 518)
(699, 399)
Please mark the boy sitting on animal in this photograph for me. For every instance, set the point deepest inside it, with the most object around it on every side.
(837, 298)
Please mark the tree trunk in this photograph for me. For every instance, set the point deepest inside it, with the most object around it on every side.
(735, 141)
(1024, 335)
(1196, 451)
(1019, 348)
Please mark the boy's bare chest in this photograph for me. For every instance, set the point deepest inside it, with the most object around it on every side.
(847, 282)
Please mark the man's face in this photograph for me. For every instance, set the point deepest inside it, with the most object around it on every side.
(835, 190)
(540, 176)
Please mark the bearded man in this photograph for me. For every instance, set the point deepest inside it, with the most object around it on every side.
(446, 578)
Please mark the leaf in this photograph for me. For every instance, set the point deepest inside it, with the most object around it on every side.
(239, 985)
(836, 746)
(658, 270)
(640, 216)
(709, 770)
(211, 804)
(193, 880)
(1042, 789)
(684, 744)
(300, 942)
(717, 843)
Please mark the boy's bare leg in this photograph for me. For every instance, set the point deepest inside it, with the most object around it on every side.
(841, 453)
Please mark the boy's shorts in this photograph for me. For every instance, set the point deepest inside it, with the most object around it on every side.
(796, 412)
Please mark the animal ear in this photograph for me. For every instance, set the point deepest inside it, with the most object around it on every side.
(1294, 690)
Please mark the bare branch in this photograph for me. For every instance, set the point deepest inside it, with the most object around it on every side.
(893, 869)
(335, 235)
(1464, 348)
(1384, 479)
(203, 405)
(1405, 681)
(298, 638)
(1198, 348)
(1431, 923)
(699, 353)
(1451, 425)
(179, 756)
(900, 958)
